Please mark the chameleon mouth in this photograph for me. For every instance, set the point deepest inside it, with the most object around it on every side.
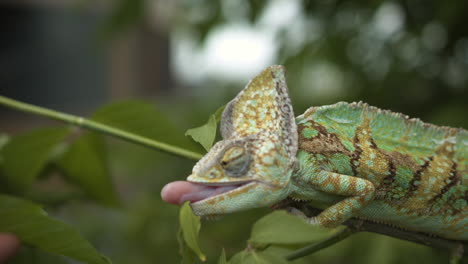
(180, 191)
(204, 192)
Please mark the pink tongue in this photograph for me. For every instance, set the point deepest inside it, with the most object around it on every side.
(180, 191)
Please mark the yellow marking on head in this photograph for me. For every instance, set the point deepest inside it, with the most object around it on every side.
(214, 173)
(257, 106)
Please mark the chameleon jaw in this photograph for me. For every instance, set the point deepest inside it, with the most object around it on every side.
(252, 194)
(204, 192)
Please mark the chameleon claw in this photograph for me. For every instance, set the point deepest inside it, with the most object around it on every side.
(296, 212)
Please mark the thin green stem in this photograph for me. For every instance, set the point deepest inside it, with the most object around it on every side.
(96, 126)
(335, 238)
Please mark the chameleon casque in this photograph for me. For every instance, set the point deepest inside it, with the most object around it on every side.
(352, 160)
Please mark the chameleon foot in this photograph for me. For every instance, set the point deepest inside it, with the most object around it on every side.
(296, 212)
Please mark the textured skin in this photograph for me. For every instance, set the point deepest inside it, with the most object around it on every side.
(259, 120)
(399, 171)
(352, 160)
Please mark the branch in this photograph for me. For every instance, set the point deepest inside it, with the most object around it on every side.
(99, 127)
(329, 241)
(359, 225)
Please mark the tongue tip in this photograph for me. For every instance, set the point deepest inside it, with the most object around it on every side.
(180, 191)
(170, 193)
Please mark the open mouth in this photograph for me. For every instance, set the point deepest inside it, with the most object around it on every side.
(201, 192)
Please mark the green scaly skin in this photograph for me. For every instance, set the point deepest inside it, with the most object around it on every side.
(418, 171)
(352, 160)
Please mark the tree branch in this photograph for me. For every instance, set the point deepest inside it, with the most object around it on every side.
(305, 251)
(359, 225)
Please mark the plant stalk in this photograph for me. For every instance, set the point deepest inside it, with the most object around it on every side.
(99, 127)
(335, 238)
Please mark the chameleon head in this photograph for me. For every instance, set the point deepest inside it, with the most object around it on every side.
(252, 165)
(240, 174)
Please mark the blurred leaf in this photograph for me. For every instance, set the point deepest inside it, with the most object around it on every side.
(256, 9)
(142, 119)
(280, 227)
(188, 256)
(32, 225)
(381, 250)
(25, 155)
(28, 254)
(262, 257)
(222, 258)
(209, 22)
(283, 250)
(4, 138)
(249, 256)
(190, 227)
(126, 13)
(85, 164)
(206, 134)
(238, 258)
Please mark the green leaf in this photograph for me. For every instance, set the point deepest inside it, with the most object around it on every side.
(238, 258)
(188, 256)
(455, 258)
(190, 227)
(143, 119)
(32, 225)
(25, 155)
(85, 164)
(249, 256)
(219, 113)
(280, 227)
(262, 257)
(280, 251)
(4, 138)
(222, 258)
(206, 134)
(28, 254)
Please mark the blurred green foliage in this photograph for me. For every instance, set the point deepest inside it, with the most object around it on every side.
(35, 228)
(408, 56)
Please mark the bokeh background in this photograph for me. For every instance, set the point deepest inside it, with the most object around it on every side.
(190, 57)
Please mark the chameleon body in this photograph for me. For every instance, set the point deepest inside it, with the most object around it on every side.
(352, 160)
(418, 171)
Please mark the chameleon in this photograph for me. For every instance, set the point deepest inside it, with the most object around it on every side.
(348, 159)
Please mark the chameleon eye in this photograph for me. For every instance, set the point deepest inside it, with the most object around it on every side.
(235, 161)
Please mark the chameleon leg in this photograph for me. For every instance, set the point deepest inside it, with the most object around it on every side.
(360, 192)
